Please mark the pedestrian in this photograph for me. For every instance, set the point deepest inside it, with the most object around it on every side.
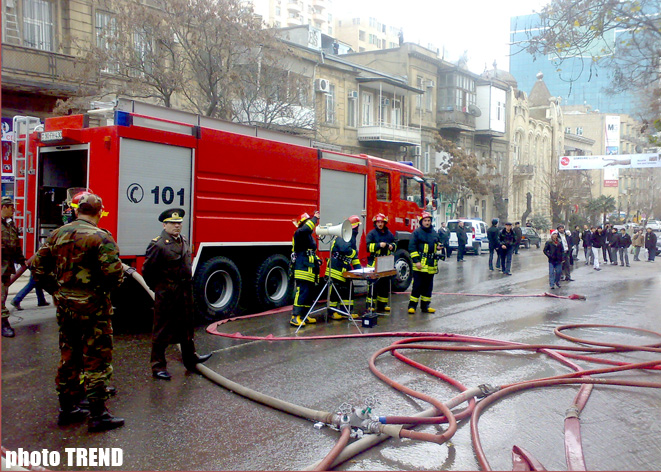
(623, 247)
(18, 298)
(444, 234)
(598, 240)
(613, 245)
(422, 247)
(168, 272)
(554, 252)
(650, 244)
(380, 242)
(11, 254)
(79, 266)
(343, 257)
(606, 247)
(462, 239)
(492, 236)
(566, 241)
(506, 240)
(306, 266)
(638, 242)
(576, 238)
(519, 235)
(587, 244)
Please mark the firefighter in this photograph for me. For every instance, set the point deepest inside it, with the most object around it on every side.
(344, 256)
(380, 242)
(167, 271)
(306, 265)
(423, 246)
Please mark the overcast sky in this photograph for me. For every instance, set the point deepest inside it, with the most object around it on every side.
(479, 26)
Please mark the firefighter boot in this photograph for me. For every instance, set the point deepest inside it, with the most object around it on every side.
(101, 419)
(296, 321)
(427, 309)
(70, 412)
(7, 330)
(412, 308)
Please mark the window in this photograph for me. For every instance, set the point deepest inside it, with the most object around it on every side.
(411, 190)
(382, 186)
(277, 11)
(429, 97)
(579, 131)
(105, 29)
(426, 158)
(373, 39)
(361, 35)
(568, 130)
(420, 82)
(352, 111)
(356, 21)
(143, 54)
(330, 104)
(38, 30)
(367, 109)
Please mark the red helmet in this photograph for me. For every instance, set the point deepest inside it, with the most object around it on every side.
(355, 221)
(425, 214)
(380, 217)
(76, 198)
(300, 219)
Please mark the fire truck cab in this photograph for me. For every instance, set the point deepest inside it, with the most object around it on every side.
(240, 186)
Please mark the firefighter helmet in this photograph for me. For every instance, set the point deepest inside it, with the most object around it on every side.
(303, 216)
(75, 201)
(380, 217)
(355, 221)
(425, 214)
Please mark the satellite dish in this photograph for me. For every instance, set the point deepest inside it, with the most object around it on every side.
(473, 110)
(639, 148)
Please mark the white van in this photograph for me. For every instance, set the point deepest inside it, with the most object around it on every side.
(476, 232)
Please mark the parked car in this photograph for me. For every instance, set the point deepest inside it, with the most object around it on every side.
(654, 224)
(658, 246)
(476, 230)
(529, 237)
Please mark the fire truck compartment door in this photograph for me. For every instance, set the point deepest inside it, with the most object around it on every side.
(152, 178)
(342, 195)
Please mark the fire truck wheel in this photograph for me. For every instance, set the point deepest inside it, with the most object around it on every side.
(217, 288)
(404, 268)
(272, 287)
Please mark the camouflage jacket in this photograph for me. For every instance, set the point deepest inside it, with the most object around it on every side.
(79, 262)
(11, 248)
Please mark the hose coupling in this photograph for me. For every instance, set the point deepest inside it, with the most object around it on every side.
(572, 412)
(486, 390)
(372, 427)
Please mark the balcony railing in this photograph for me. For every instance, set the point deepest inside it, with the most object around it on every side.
(58, 70)
(524, 170)
(390, 133)
(453, 118)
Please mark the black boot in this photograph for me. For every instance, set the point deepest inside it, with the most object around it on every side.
(7, 330)
(191, 361)
(71, 413)
(101, 419)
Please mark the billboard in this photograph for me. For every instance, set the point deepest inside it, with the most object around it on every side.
(622, 161)
(7, 161)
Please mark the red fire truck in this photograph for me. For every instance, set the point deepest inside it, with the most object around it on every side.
(240, 186)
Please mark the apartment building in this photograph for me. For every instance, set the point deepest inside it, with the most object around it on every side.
(367, 33)
(283, 13)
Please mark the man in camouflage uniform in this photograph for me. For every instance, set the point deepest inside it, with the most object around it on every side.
(168, 272)
(79, 265)
(11, 254)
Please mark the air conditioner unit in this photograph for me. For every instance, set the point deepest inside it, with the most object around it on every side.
(417, 150)
(322, 85)
(353, 94)
(431, 84)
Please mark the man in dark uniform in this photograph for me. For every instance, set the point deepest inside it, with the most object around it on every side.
(306, 266)
(462, 239)
(168, 272)
(423, 246)
(492, 236)
(506, 240)
(518, 232)
(380, 242)
(79, 265)
(11, 254)
(343, 257)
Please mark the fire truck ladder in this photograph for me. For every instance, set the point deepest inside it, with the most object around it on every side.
(24, 164)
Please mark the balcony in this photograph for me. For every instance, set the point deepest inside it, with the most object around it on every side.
(320, 16)
(295, 6)
(385, 132)
(320, 4)
(450, 118)
(295, 21)
(32, 70)
(524, 171)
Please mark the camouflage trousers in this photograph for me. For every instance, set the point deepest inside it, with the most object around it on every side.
(5, 292)
(85, 353)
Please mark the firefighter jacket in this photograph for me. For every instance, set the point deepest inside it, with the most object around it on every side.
(343, 257)
(422, 247)
(11, 249)
(305, 260)
(374, 240)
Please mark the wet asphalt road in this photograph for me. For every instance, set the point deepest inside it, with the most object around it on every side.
(192, 424)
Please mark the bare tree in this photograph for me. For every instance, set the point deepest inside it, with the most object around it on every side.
(625, 35)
